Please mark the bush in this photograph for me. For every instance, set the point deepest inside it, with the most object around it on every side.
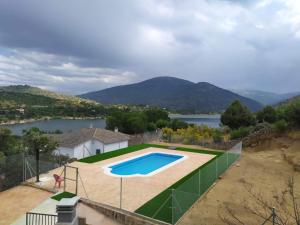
(162, 123)
(237, 115)
(177, 124)
(240, 133)
(151, 127)
(280, 126)
(217, 136)
(267, 114)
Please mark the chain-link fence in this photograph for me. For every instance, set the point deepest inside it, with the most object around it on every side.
(171, 204)
(20, 167)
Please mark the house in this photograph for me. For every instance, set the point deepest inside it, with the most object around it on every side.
(89, 141)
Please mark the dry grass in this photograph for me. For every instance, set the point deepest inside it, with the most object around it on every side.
(264, 168)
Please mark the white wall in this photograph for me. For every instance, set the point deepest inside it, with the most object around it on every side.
(115, 146)
(89, 148)
(64, 151)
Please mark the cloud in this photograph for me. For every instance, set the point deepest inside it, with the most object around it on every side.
(58, 73)
(78, 46)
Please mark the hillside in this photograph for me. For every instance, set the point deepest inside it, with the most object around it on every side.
(172, 93)
(26, 89)
(26, 102)
(266, 98)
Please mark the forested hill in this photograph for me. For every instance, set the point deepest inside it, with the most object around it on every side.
(26, 102)
(172, 93)
(26, 89)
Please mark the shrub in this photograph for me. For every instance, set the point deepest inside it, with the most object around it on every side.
(240, 133)
(237, 115)
(177, 124)
(267, 114)
(217, 136)
(162, 123)
(280, 126)
(151, 127)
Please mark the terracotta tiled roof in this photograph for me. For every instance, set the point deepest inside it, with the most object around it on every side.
(74, 138)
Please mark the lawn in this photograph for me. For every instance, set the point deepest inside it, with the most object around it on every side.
(62, 195)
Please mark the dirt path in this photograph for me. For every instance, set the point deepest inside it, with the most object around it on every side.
(265, 168)
(16, 201)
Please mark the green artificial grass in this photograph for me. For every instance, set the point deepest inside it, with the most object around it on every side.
(134, 148)
(62, 195)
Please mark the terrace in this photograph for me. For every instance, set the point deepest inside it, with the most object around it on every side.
(164, 196)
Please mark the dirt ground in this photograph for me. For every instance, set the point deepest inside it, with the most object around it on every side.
(16, 201)
(266, 168)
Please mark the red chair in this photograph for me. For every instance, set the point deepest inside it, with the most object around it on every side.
(58, 180)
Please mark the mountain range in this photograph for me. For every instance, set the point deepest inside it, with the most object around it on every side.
(174, 94)
(265, 98)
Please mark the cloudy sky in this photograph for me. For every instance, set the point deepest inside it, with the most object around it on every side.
(79, 46)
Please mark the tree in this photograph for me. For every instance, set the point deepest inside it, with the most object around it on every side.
(177, 124)
(162, 123)
(267, 114)
(9, 144)
(155, 114)
(36, 142)
(237, 115)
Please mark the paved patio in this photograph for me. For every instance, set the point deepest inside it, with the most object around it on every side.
(105, 189)
(16, 201)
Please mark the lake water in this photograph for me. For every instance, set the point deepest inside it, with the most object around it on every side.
(209, 120)
(57, 124)
(68, 125)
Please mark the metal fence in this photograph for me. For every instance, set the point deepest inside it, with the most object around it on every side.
(170, 205)
(20, 167)
(40, 219)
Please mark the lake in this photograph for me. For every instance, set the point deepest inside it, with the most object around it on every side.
(67, 125)
(57, 124)
(201, 119)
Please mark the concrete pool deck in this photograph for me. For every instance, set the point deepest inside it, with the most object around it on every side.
(105, 189)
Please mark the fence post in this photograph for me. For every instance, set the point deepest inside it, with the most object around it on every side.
(121, 192)
(216, 168)
(227, 159)
(172, 207)
(273, 216)
(200, 182)
(65, 175)
(76, 181)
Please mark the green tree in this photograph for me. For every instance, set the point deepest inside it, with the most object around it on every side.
(177, 124)
(162, 123)
(9, 144)
(34, 140)
(155, 114)
(237, 115)
(267, 114)
(293, 113)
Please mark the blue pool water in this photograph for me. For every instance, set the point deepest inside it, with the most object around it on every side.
(144, 165)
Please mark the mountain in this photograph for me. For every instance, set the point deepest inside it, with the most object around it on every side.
(290, 101)
(26, 102)
(26, 89)
(266, 98)
(172, 93)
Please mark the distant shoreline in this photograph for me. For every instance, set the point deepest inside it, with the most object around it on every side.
(194, 116)
(16, 122)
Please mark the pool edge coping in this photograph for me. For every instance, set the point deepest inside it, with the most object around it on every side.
(108, 172)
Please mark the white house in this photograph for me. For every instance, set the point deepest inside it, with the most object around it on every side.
(89, 141)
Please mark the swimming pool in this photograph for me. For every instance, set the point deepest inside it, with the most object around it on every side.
(143, 165)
